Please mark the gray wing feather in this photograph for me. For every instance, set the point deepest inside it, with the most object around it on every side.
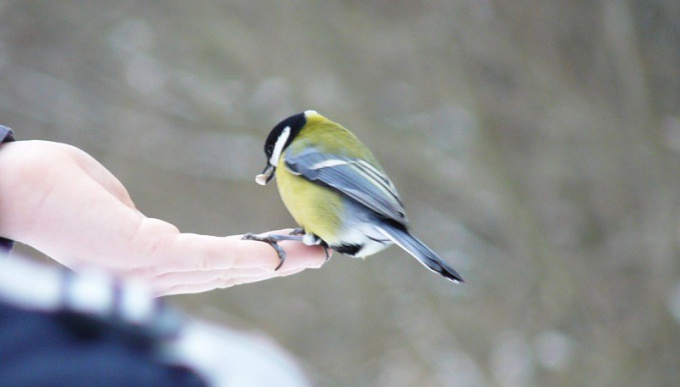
(353, 177)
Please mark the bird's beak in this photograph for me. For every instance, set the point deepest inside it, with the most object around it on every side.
(266, 175)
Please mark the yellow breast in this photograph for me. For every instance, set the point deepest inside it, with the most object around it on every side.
(315, 208)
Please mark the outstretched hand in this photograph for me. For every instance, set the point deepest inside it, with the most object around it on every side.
(61, 201)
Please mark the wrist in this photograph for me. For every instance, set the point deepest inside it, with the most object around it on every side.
(6, 135)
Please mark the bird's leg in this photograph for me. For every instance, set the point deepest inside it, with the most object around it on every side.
(313, 240)
(273, 240)
(325, 250)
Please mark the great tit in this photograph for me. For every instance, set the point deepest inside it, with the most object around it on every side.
(337, 192)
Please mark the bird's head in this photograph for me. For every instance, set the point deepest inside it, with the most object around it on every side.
(278, 140)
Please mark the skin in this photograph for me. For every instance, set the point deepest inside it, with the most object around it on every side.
(61, 201)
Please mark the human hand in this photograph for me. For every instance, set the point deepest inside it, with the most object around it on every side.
(61, 201)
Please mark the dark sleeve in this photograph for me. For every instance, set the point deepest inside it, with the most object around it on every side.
(58, 328)
(6, 135)
(70, 349)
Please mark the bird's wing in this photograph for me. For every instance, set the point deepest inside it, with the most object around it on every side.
(355, 178)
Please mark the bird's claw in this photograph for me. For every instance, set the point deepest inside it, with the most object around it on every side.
(298, 231)
(271, 240)
(297, 234)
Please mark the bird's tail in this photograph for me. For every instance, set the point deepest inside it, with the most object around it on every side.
(420, 251)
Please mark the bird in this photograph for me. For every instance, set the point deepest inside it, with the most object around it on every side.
(338, 193)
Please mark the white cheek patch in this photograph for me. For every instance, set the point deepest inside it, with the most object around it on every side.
(278, 147)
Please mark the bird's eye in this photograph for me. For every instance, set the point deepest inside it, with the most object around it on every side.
(269, 149)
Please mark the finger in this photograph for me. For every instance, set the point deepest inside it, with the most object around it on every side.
(201, 252)
(298, 255)
(190, 252)
(276, 274)
(310, 261)
(217, 283)
(283, 231)
(168, 280)
(229, 276)
(99, 173)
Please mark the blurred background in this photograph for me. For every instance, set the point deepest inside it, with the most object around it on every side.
(536, 145)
